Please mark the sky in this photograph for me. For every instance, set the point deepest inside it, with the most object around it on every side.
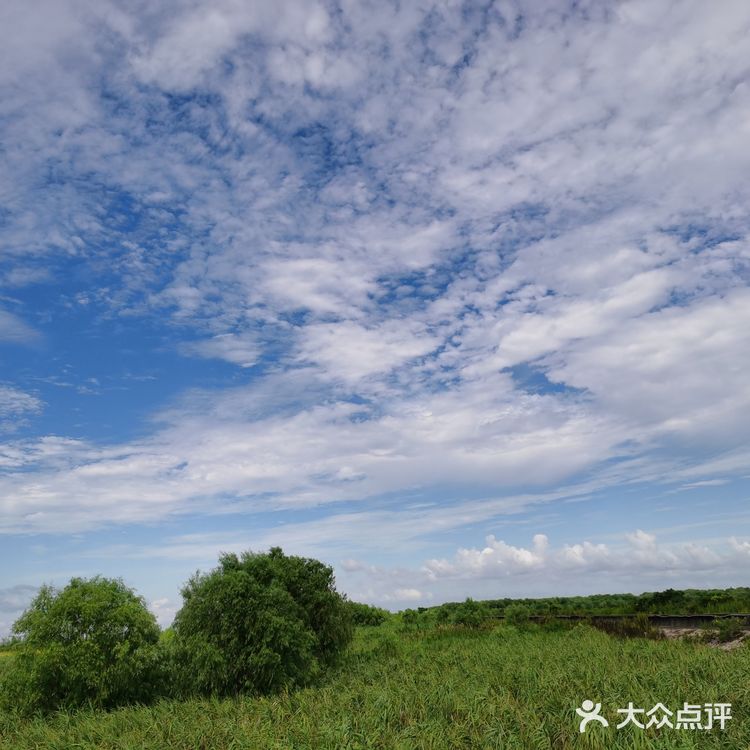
(450, 295)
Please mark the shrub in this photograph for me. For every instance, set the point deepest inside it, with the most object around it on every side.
(92, 643)
(365, 614)
(410, 618)
(258, 623)
(629, 627)
(470, 614)
(517, 614)
(729, 630)
(724, 630)
(443, 614)
(422, 618)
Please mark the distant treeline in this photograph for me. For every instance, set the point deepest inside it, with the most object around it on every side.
(669, 602)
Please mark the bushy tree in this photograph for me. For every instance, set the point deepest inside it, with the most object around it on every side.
(443, 614)
(470, 614)
(258, 623)
(366, 614)
(517, 614)
(92, 643)
(409, 617)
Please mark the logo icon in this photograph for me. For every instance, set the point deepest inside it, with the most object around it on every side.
(590, 712)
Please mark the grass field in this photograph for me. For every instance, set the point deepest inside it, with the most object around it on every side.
(439, 688)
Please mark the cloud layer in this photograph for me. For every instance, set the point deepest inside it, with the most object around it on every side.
(459, 251)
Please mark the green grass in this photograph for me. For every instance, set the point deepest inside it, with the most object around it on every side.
(500, 688)
(5, 657)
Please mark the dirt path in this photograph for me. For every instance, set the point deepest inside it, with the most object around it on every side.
(703, 635)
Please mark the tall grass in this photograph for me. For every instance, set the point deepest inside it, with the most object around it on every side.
(439, 688)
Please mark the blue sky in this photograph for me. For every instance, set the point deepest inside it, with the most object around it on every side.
(453, 296)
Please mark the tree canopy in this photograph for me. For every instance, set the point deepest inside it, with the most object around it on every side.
(92, 643)
(259, 623)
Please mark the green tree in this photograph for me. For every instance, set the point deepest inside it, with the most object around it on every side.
(409, 618)
(366, 614)
(470, 614)
(258, 623)
(443, 615)
(92, 643)
(517, 614)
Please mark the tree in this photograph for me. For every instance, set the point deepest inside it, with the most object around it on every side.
(443, 615)
(258, 623)
(92, 643)
(517, 614)
(366, 614)
(470, 614)
(409, 617)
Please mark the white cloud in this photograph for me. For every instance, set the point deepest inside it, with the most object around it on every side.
(497, 555)
(661, 369)
(24, 275)
(704, 483)
(353, 352)
(641, 555)
(391, 206)
(13, 329)
(13, 601)
(407, 595)
(196, 40)
(227, 346)
(164, 610)
(741, 547)
(15, 408)
(14, 402)
(16, 598)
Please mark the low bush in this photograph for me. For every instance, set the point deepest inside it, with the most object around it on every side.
(729, 629)
(723, 630)
(632, 627)
(366, 614)
(470, 614)
(410, 618)
(517, 614)
(443, 614)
